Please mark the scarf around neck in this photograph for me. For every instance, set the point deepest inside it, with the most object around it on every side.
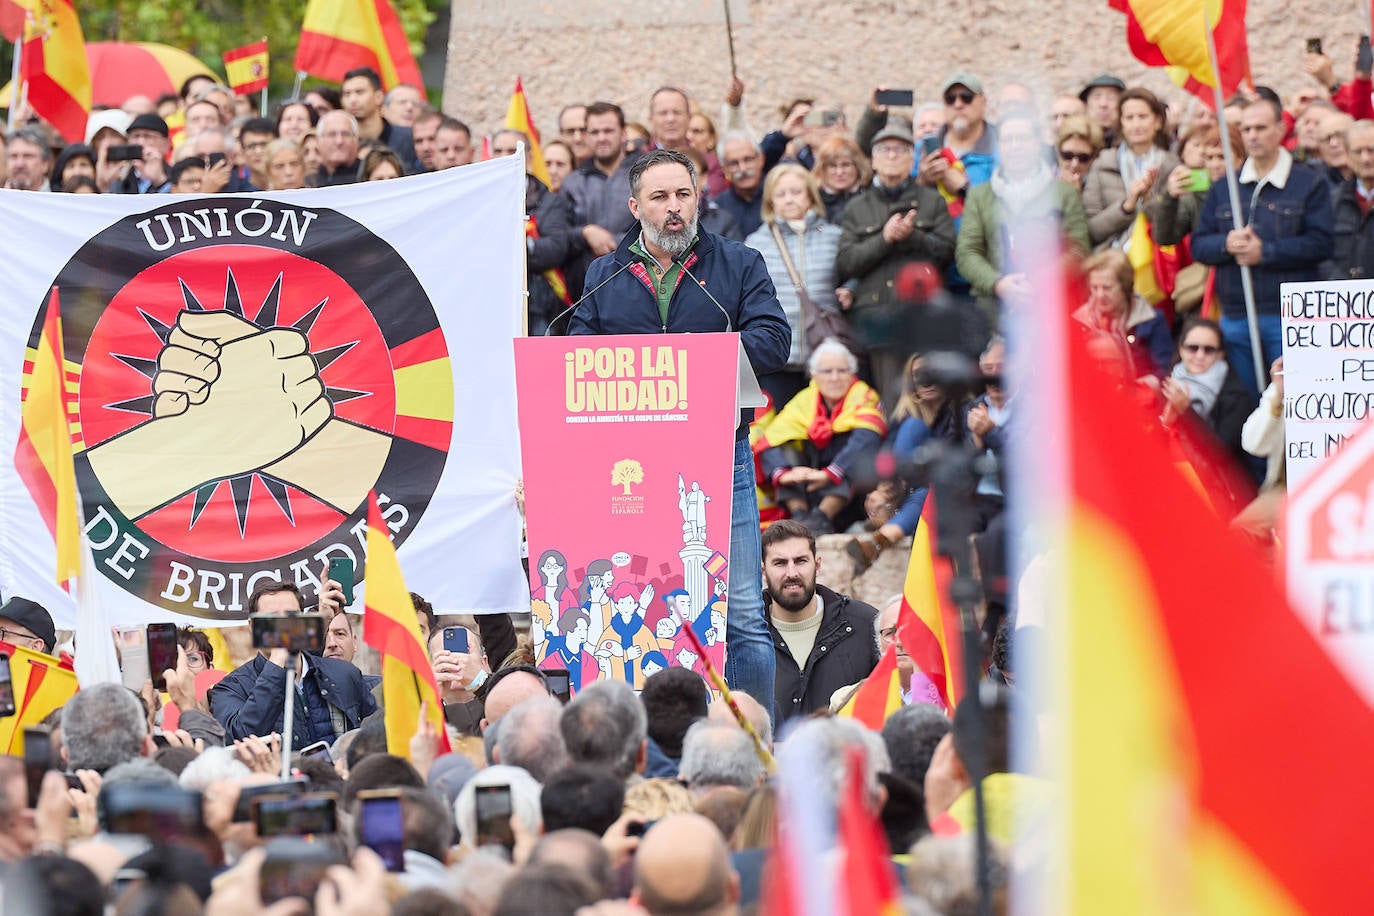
(1015, 195)
(1203, 389)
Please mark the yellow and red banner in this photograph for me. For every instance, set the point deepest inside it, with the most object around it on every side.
(518, 118)
(43, 455)
(54, 67)
(339, 35)
(1173, 34)
(928, 622)
(627, 452)
(246, 68)
(390, 626)
(41, 683)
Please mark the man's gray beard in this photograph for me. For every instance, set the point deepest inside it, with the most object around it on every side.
(674, 242)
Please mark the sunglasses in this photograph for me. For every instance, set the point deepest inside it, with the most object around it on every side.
(1206, 349)
(965, 96)
(1082, 158)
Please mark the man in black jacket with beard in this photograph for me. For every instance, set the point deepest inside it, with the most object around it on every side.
(823, 640)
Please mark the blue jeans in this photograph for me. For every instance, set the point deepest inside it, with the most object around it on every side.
(1235, 332)
(749, 660)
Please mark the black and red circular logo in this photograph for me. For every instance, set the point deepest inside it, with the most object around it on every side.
(248, 371)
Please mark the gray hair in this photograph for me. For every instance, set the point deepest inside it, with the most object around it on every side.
(741, 135)
(820, 746)
(719, 755)
(524, 798)
(352, 121)
(605, 725)
(659, 157)
(530, 737)
(391, 93)
(826, 347)
(214, 764)
(102, 726)
(926, 109)
(31, 135)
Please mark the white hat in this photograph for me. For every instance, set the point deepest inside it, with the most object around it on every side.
(116, 120)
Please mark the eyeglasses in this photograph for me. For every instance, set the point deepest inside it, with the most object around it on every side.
(1081, 158)
(892, 149)
(1206, 349)
(840, 164)
(888, 632)
(194, 658)
(963, 96)
(8, 635)
(254, 147)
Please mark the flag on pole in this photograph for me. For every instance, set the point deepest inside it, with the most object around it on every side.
(339, 35)
(246, 68)
(518, 118)
(55, 69)
(391, 627)
(1164, 613)
(1173, 34)
(12, 16)
(928, 623)
(867, 882)
(880, 694)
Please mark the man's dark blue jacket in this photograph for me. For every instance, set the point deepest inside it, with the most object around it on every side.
(249, 700)
(733, 272)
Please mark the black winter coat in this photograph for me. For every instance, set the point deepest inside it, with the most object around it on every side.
(845, 652)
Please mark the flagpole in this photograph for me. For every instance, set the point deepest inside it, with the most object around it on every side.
(296, 89)
(730, 37)
(15, 87)
(262, 104)
(1247, 283)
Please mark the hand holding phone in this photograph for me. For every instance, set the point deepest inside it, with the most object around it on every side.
(902, 98)
(1314, 46)
(1364, 57)
(162, 652)
(456, 639)
(494, 810)
(6, 687)
(341, 571)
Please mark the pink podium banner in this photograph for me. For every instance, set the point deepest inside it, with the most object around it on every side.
(627, 446)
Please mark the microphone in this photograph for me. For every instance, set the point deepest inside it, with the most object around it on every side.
(583, 298)
(701, 283)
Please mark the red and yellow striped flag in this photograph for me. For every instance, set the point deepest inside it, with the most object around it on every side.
(339, 35)
(928, 623)
(41, 684)
(1188, 787)
(43, 454)
(55, 69)
(518, 118)
(867, 883)
(246, 68)
(391, 627)
(879, 696)
(1173, 34)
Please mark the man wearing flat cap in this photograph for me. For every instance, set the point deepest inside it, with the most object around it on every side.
(147, 175)
(28, 624)
(1102, 96)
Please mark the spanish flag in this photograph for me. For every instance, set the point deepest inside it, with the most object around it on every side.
(928, 622)
(1184, 789)
(1173, 34)
(339, 35)
(41, 684)
(391, 627)
(246, 68)
(867, 881)
(55, 69)
(518, 118)
(43, 455)
(806, 417)
(879, 696)
(12, 16)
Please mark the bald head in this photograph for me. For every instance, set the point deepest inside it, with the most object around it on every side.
(510, 692)
(719, 714)
(683, 867)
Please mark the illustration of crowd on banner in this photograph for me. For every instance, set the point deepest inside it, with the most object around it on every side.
(247, 361)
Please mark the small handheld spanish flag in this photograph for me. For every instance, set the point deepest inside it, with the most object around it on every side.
(246, 68)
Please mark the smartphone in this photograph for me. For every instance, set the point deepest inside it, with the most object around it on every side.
(381, 826)
(297, 632)
(341, 571)
(133, 657)
(1201, 180)
(37, 760)
(899, 97)
(243, 810)
(6, 687)
(157, 812)
(456, 639)
(930, 145)
(214, 159)
(311, 814)
(162, 651)
(1314, 46)
(294, 867)
(317, 751)
(493, 816)
(124, 152)
(639, 829)
(560, 685)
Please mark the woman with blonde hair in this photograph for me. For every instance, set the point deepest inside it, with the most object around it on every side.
(1076, 146)
(842, 171)
(799, 246)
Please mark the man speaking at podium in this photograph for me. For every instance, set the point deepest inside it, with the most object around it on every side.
(669, 276)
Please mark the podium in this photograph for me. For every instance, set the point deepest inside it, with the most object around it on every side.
(627, 453)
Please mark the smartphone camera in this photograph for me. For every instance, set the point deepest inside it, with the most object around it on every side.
(493, 804)
(297, 632)
(312, 814)
(381, 827)
(294, 867)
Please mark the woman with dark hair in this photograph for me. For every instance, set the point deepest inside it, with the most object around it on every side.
(1128, 176)
(1203, 388)
(200, 655)
(294, 118)
(381, 165)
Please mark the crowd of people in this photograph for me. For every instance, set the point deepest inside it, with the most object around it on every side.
(662, 800)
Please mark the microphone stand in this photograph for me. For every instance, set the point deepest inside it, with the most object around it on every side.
(293, 658)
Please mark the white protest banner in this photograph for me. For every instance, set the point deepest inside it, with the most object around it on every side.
(1328, 369)
(243, 369)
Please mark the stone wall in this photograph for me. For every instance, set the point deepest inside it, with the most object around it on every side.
(594, 49)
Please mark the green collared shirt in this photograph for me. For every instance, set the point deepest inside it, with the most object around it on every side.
(665, 281)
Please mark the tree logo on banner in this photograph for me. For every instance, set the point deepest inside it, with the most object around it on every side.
(248, 371)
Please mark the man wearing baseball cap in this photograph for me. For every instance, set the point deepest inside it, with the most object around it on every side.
(147, 175)
(1102, 96)
(28, 624)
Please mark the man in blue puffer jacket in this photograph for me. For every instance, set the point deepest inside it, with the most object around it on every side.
(668, 276)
